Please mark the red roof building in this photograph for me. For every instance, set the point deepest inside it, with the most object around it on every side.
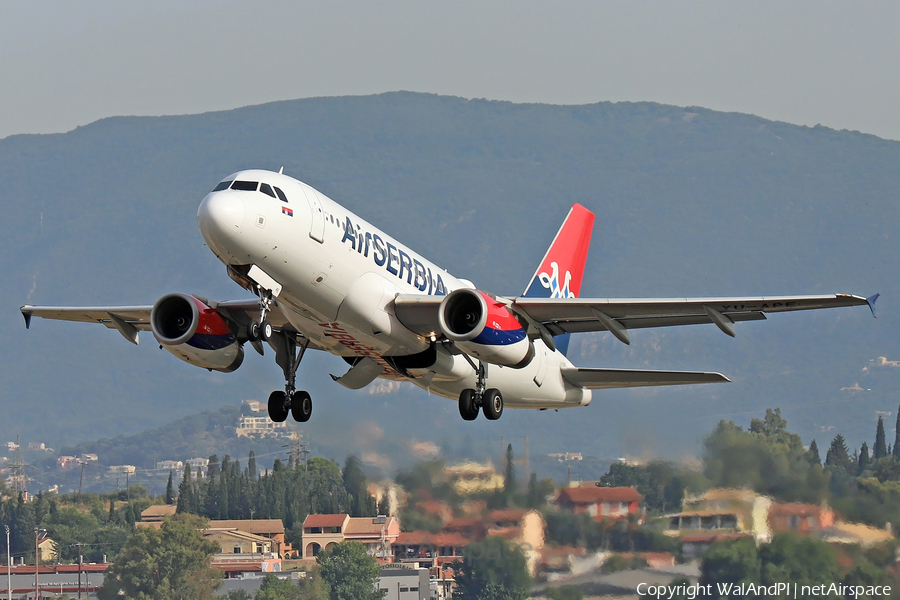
(601, 502)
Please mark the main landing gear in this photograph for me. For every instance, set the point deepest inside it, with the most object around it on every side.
(490, 401)
(288, 354)
(261, 330)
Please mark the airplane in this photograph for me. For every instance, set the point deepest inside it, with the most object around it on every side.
(325, 279)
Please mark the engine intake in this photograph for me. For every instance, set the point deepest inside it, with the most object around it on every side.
(195, 333)
(484, 328)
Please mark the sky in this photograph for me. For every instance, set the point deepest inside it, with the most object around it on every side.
(65, 64)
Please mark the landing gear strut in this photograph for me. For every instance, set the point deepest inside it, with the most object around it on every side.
(261, 329)
(490, 401)
(288, 354)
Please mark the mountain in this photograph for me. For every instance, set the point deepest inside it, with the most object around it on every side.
(689, 202)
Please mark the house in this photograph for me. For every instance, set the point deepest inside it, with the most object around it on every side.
(89, 458)
(66, 462)
(858, 534)
(404, 584)
(262, 426)
(122, 470)
(429, 549)
(47, 551)
(799, 518)
(170, 465)
(600, 502)
(720, 514)
(154, 515)
(273, 529)
(242, 552)
(377, 534)
(470, 478)
(523, 528)
(322, 531)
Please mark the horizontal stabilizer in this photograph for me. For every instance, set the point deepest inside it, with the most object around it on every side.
(601, 379)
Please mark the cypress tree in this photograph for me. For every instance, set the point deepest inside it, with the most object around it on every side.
(812, 455)
(509, 479)
(896, 450)
(185, 492)
(863, 460)
(170, 490)
(880, 449)
(251, 466)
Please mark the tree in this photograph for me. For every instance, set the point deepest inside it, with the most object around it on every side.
(880, 449)
(251, 467)
(509, 476)
(312, 587)
(863, 460)
(838, 457)
(803, 560)
(896, 449)
(275, 588)
(813, 454)
(164, 564)
(492, 570)
(170, 490)
(349, 572)
(186, 497)
(362, 504)
(730, 562)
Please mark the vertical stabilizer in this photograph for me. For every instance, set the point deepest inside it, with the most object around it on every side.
(562, 269)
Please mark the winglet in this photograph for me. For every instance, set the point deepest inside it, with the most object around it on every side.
(871, 302)
(27, 315)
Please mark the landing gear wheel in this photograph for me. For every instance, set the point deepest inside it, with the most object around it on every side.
(301, 406)
(265, 330)
(253, 331)
(492, 404)
(468, 408)
(278, 409)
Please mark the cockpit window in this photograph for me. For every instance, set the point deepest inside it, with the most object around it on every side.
(281, 195)
(266, 189)
(222, 186)
(245, 186)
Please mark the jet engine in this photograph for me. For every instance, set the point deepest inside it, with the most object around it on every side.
(195, 333)
(484, 328)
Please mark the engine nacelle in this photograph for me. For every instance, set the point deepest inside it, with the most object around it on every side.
(484, 328)
(195, 333)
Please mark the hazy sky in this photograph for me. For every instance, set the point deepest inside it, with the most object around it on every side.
(64, 63)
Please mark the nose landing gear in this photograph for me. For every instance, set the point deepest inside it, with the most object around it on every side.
(261, 329)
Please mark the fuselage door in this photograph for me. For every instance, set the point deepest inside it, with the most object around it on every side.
(317, 223)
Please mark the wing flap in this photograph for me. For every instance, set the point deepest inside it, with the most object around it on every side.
(602, 379)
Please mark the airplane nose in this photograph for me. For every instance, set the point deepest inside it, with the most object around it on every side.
(219, 217)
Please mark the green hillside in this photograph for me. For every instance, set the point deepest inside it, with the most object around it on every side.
(689, 202)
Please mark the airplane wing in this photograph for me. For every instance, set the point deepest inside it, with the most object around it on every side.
(576, 315)
(557, 316)
(603, 379)
(128, 320)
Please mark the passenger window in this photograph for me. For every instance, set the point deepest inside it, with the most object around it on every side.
(266, 189)
(281, 195)
(245, 186)
(222, 186)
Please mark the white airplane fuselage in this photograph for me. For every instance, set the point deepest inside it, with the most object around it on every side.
(339, 277)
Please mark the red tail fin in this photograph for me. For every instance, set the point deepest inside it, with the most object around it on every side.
(562, 269)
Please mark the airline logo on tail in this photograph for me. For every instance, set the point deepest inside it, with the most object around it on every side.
(562, 269)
